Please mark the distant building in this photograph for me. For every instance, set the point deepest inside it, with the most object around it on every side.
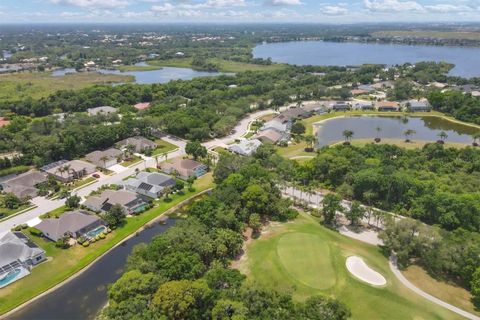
(140, 143)
(67, 171)
(245, 147)
(418, 105)
(130, 201)
(142, 105)
(363, 105)
(150, 184)
(89, 64)
(17, 255)
(366, 87)
(101, 110)
(185, 168)
(70, 224)
(24, 185)
(358, 92)
(340, 106)
(388, 106)
(271, 136)
(295, 113)
(276, 124)
(106, 158)
(4, 122)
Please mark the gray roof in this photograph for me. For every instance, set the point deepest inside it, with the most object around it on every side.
(418, 104)
(96, 156)
(101, 110)
(75, 165)
(24, 185)
(12, 249)
(245, 147)
(122, 197)
(140, 143)
(155, 178)
(68, 222)
(274, 124)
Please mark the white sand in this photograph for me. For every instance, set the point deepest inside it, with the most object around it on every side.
(362, 271)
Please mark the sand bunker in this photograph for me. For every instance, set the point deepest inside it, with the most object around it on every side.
(360, 270)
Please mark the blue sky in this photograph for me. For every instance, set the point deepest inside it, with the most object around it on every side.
(160, 11)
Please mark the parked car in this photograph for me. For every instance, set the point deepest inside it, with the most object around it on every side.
(96, 175)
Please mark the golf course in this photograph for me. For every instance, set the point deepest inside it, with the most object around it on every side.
(308, 259)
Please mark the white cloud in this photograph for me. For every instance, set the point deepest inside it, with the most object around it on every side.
(447, 8)
(110, 4)
(393, 6)
(334, 10)
(283, 2)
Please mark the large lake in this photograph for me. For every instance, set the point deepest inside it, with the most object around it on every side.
(392, 127)
(162, 75)
(466, 60)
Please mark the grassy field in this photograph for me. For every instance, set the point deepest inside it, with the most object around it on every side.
(464, 35)
(452, 294)
(124, 68)
(306, 259)
(413, 144)
(163, 147)
(65, 263)
(224, 65)
(17, 86)
(132, 161)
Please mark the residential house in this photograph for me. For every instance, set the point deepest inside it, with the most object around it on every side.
(363, 105)
(388, 106)
(67, 171)
(340, 106)
(358, 92)
(142, 105)
(295, 113)
(24, 185)
(4, 122)
(150, 184)
(106, 158)
(70, 224)
(383, 85)
(185, 168)
(17, 256)
(130, 201)
(101, 110)
(139, 143)
(418, 105)
(366, 87)
(276, 124)
(246, 147)
(271, 136)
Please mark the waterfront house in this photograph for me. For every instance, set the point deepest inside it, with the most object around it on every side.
(130, 201)
(24, 185)
(363, 105)
(105, 158)
(17, 256)
(70, 224)
(418, 105)
(271, 136)
(340, 106)
(140, 144)
(388, 106)
(150, 184)
(67, 171)
(246, 147)
(185, 168)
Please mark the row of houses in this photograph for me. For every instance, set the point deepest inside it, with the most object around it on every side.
(421, 105)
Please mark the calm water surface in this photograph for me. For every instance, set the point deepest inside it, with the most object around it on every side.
(163, 75)
(466, 60)
(85, 295)
(364, 127)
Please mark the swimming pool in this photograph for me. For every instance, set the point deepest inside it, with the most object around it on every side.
(9, 278)
(95, 232)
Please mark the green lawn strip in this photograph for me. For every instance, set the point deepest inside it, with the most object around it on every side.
(413, 144)
(264, 267)
(14, 170)
(6, 213)
(163, 147)
(132, 161)
(138, 68)
(54, 213)
(81, 183)
(66, 263)
(224, 65)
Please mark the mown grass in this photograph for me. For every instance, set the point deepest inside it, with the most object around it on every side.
(65, 263)
(163, 147)
(18, 86)
(266, 265)
(224, 65)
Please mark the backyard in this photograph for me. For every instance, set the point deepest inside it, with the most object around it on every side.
(64, 263)
(306, 259)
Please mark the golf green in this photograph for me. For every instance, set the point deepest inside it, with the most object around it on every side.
(306, 259)
(312, 266)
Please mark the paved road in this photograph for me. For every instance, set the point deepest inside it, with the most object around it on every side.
(46, 205)
(314, 199)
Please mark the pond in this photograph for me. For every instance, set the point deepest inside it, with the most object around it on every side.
(466, 60)
(427, 128)
(162, 75)
(85, 295)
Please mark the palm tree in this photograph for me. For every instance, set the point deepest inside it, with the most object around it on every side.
(378, 129)
(104, 159)
(408, 133)
(443, 136)
(130, 149)
(310, 140)
(347, 135)
(60, 170)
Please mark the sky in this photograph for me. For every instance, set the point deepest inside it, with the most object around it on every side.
(237, 11)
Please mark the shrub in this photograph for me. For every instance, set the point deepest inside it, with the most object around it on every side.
(24, 226)
(97, 237)
(92, 240)
(109, 230)
(102, 235)
(86, 244)
(35, 232)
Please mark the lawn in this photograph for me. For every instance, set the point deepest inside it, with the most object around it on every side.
(65, 263)
(224, 65)
(307, 259)
(138, 68)
(81, 183)
(8, 213)
(413, 144)
(18, 86)
(133, 160)
(163, 147)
